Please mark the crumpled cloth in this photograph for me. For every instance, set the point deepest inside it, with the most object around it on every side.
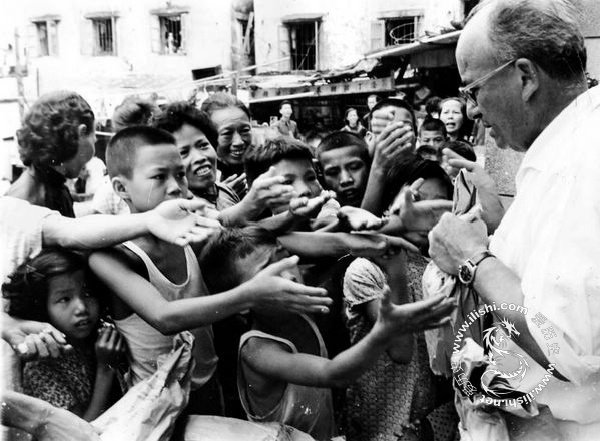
(147, 412)
(435, 281)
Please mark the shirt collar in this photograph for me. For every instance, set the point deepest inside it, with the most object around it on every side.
(549, 144)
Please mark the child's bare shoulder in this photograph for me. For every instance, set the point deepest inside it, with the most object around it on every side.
(124, 256)
(258, 346)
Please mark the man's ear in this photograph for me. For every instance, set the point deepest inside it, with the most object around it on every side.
(529, 75)
(120, 188)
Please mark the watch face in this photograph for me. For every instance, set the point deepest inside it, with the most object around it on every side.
(465, 275)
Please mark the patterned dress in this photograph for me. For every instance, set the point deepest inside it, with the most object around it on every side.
(66, 382)
(389, 396)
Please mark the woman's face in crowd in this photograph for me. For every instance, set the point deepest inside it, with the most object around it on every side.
(71, 308)
(198, 156)
(452, 116)
(235, 134)
(352, 118)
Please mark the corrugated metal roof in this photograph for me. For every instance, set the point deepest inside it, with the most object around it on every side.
(418, 46)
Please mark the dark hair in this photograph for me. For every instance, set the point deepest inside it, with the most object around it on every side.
(49, 133)
(397, 102)
(432, 105)
(133, 111)
(464, 149)
(467, 124)
(284, 102)
(178, 113)
(408, 171)
(341, 139)
(547, 34)
(433, 125)
(223, 100)
(220, 254)
(27, 290)
(258, 159)
(122, 148)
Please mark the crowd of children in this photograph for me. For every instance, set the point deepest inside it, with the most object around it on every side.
(305, 303)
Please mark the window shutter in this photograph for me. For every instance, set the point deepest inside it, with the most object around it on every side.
(53, 38)
(284, 47)
(88, 44)
(155, 34)
(184, 33)
(377, 34)
(31, 42)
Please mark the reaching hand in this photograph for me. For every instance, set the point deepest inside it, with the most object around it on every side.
(310, 207)
(174, 221)
(33, 340)
(418, 216)
(493, 210)
(275, 288)
(110, 347)
(394, 320)
(395, 143)
(357, 219)
(239, 184)
(267, 191)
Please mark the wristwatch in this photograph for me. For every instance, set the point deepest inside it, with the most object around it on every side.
(466, 271)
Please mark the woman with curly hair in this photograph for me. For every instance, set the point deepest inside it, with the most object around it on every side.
(56, 140)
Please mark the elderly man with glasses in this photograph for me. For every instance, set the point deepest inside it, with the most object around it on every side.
(523, 63)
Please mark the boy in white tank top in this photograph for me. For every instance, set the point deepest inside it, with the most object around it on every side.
(157, 288)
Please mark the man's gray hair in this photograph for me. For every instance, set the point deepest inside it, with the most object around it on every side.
(543, 31)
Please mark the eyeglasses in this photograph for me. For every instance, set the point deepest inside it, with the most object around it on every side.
(469, 92)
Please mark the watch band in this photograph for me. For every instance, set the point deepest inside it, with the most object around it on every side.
(466, 271)
(480, 257)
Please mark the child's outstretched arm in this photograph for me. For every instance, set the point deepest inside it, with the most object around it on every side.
(267, 288)
(273, 361)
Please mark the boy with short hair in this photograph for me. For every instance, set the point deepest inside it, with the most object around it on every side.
(284, 373)
(344, 159)
(433, 132)
(292, 159)
(157, 287)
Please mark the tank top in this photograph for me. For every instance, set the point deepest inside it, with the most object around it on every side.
(146, 344)
(305, 408)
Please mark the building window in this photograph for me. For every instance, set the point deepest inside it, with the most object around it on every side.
(104, 36)
(171, 35)
(46, 37)
(400, 30)
(304, 45)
